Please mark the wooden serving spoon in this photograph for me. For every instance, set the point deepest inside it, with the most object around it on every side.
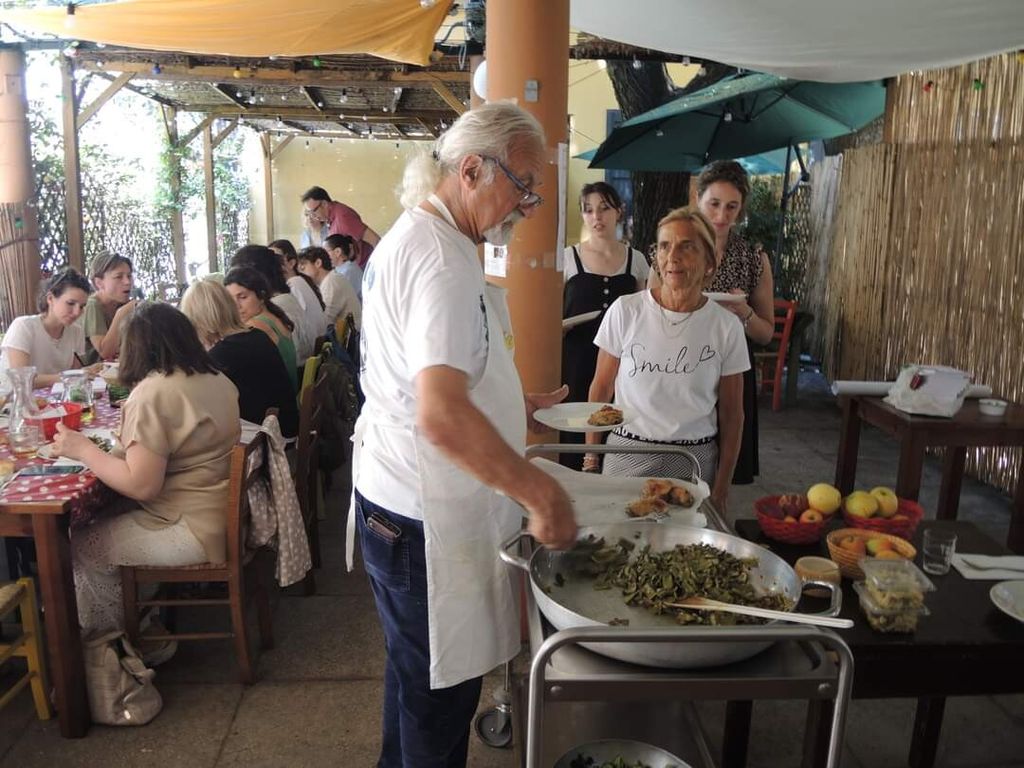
(707, 604)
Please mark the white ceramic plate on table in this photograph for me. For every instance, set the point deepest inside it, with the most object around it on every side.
(586, 317)
(572, 417)
(1008, 597)
(716, 296)
(45, 451)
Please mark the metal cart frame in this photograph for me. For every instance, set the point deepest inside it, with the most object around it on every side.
(803, 662)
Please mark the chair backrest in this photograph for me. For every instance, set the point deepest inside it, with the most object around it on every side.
(307, 444)
(241, 480)
(785, 311)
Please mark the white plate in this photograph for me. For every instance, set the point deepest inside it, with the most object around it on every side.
(45, 451)
(586, 317)
(602, 499)
(572, 417)
(1008, 597)
(715, 296)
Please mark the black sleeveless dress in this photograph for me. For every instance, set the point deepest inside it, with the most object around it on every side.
(587, 292)
(741, 267)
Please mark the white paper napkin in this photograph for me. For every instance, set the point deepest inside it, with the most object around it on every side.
(990, 570)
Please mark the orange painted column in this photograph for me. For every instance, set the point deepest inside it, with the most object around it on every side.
(19, 244)
(528, 61)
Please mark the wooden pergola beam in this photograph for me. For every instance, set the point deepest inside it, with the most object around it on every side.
(72, 168)
(225, 133)
(187, 138)
(174, 173)
(268, 183)
(284, 142)
(229, 94)
(355, 78)
(449, 97)
(314, 97)
(211, 200)
(297, 126)
(271, 112)
(87, 112)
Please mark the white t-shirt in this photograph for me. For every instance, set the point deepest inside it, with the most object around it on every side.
(638, 268)
(305, 332)
(423, 305)
(670, 364)
(313, 314)
(47, 354)
(340, 298)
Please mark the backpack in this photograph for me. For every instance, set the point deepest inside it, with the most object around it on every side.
(342, 407)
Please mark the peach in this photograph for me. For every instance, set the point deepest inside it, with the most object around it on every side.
(874, 546)
(811, 516)
(889, 554)
(789, 519)
(853, 544)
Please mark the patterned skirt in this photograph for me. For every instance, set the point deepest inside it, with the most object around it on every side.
(661, 464)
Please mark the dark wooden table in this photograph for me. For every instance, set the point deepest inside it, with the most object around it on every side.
(47, 517)
(968, 428)
(966, 647)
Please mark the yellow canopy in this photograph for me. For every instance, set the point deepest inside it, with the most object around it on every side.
(400, 30)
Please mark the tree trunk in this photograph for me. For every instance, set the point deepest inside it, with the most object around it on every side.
(637, 90)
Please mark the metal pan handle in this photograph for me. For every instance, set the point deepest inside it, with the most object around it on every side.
(836, 597)
(505, 553)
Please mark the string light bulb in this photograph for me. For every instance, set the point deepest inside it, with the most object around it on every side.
(317, 63)
(428, 3)
(237, 74)
(156, 68)
(69, 19)
(727, 117)
(344, 96)
(686, 61)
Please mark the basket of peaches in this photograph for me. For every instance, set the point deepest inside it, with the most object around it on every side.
(797, 518)
(881, 511)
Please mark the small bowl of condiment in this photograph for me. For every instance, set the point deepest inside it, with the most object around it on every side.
(818, 569)
(991, 407)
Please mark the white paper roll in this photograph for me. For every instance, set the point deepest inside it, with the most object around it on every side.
(881, 388)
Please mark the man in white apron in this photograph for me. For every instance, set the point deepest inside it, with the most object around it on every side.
(440, 480)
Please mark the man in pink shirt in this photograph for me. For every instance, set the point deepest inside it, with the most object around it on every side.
(334, 218)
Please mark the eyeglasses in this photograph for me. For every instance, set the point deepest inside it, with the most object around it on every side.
(530, 199)
(311, 211)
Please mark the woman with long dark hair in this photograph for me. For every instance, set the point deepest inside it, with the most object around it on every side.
(178, 427)
(251, 293)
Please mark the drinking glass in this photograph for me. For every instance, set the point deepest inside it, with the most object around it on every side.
(24, 440)
(938, 547)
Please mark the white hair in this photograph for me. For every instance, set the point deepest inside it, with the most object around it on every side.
(490, 130)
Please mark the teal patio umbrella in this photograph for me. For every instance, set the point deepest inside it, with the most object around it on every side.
(740, 116)
(767, 163)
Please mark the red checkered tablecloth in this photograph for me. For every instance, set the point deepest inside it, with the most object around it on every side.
(85, 493)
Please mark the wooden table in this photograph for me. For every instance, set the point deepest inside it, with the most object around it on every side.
(966, 647)
(968, 428)
(47, 521)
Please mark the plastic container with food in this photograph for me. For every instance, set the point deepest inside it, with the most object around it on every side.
(882, 619)
(895, 583)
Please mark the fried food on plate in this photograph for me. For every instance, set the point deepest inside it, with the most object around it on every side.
(679, 496)
(605, 416)
(644, 507)
(656, 489)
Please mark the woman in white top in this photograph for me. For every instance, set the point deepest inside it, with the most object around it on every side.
(308, 325)
(675, 360)
(51, 340)
(303, 288)
(339, 295)
(342, 250)
(596, 272)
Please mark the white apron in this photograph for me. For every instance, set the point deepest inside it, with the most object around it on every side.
(473, 610)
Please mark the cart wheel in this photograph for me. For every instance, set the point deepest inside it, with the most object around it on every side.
(494, 728)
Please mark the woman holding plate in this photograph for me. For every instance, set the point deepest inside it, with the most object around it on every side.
(675, 360)
(742, 270)
(596, 272)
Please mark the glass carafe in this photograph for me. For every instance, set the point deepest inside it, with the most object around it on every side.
(23, 403)
(77, 389)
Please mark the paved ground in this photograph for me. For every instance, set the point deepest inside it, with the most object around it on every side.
(318, 696)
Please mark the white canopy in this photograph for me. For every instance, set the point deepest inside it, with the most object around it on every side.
(826, 40)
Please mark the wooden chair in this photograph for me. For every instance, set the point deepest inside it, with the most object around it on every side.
(233, 573)
(21, 594)
(307, 467)
(773, 360)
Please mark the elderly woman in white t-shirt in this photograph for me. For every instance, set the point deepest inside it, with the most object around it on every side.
(676, 360)
(51, 341)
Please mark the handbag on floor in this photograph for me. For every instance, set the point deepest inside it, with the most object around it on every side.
(121, 690)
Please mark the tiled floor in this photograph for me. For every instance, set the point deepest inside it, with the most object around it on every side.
(317, 700)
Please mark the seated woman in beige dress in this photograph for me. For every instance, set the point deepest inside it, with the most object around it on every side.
(178, 427)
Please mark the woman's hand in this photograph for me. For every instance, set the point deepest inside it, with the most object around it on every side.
(125, 310)
(74, 445)
(719, 498)
(536, 401)
(739, 308)
(93, 370)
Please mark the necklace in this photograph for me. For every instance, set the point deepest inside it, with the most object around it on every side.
(671, 324)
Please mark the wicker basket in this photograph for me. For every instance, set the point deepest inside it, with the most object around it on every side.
(849, 562)
(780, 530)
(904, 528)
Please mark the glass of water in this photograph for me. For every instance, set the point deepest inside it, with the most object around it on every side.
(937, 548)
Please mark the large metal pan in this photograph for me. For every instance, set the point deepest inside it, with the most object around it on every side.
(577, 604)
(606, 750)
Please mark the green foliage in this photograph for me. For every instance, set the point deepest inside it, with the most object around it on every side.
(763, 214)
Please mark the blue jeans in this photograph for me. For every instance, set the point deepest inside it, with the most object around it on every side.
(422, 728)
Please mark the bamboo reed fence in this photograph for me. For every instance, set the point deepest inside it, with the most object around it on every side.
(927, 266)
(19, 262)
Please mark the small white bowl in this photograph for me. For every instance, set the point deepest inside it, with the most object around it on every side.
(991, 407)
